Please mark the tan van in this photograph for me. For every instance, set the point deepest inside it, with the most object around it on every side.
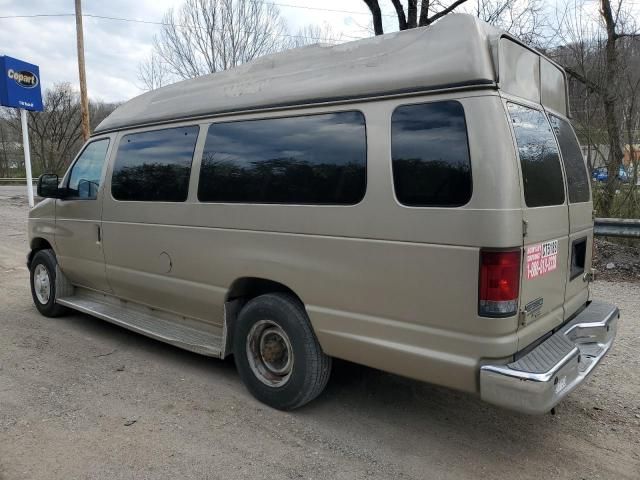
(415, 202)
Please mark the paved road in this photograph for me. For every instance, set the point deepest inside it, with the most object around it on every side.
(80, 398)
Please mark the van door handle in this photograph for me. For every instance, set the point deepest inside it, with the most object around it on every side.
(99, 234)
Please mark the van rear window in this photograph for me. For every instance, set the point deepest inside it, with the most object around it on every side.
(574, 165)
(430, 155)
(539, 158)
(154, 166)
(314, 159)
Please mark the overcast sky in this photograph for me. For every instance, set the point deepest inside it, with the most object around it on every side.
(113, 49)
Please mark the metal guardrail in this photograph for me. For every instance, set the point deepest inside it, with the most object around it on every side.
(617, 227)
(19, 181)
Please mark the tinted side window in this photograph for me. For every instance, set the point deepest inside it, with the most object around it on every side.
(154, 166)
(538, 150)
(317, 159)
(574, 165)
(84, 179)
(430, 154)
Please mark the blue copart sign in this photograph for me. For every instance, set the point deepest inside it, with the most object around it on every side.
(20, 84)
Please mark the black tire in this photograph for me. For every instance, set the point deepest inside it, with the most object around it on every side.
(47, 259)
(310, 365)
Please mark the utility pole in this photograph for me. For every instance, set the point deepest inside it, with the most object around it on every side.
(84, 101)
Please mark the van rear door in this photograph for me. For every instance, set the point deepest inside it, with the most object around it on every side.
(546, 225)
(580, 215)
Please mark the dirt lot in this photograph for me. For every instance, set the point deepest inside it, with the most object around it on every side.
(80, 398)
(617, 261)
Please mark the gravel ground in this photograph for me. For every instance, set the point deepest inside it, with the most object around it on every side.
(617, 261)
(82, 399)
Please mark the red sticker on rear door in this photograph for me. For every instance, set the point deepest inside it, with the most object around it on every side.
(542, 258)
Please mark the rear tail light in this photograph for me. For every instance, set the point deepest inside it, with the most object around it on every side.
(499, 283)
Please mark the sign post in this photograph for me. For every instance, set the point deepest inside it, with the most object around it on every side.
(20, 88)
(27, 155)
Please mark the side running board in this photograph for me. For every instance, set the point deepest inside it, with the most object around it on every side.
(176, 330)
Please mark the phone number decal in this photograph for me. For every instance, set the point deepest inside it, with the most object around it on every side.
(542, 258)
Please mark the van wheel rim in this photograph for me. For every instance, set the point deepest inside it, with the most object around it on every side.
(42, 284)
(269, 353)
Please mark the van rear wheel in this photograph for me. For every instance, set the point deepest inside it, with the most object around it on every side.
(42, 272)
(277, 354)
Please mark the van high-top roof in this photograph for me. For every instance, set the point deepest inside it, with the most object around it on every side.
(458, 51)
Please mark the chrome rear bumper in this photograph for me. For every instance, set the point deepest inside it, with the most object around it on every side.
(539, 380)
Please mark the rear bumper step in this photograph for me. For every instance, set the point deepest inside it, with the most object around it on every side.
(544, 376)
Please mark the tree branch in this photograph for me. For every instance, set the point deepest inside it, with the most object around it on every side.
(412, 14)
(442, 13)
(424, 12)
(591, 85)
(376, 14)
(402, 19)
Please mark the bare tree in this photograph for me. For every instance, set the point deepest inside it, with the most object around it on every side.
(56, 132)
(11, 154)
(601, 57)
(311, 34)
(611, 101)
(206, 36)
(629, 55)
(525, 19)
(5, 144)
(578, 48)
(153, 73)
(100, 110)
(411, 16)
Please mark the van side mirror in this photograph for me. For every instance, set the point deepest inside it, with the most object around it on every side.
(48, 186)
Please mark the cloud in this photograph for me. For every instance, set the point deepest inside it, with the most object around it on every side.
(113, 49)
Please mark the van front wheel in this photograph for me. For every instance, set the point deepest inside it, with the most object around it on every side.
(42, 272)
(277, 354)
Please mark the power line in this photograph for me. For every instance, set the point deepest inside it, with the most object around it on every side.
(150, 22)
(352, 12)
(285, 5)
(38, 15)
